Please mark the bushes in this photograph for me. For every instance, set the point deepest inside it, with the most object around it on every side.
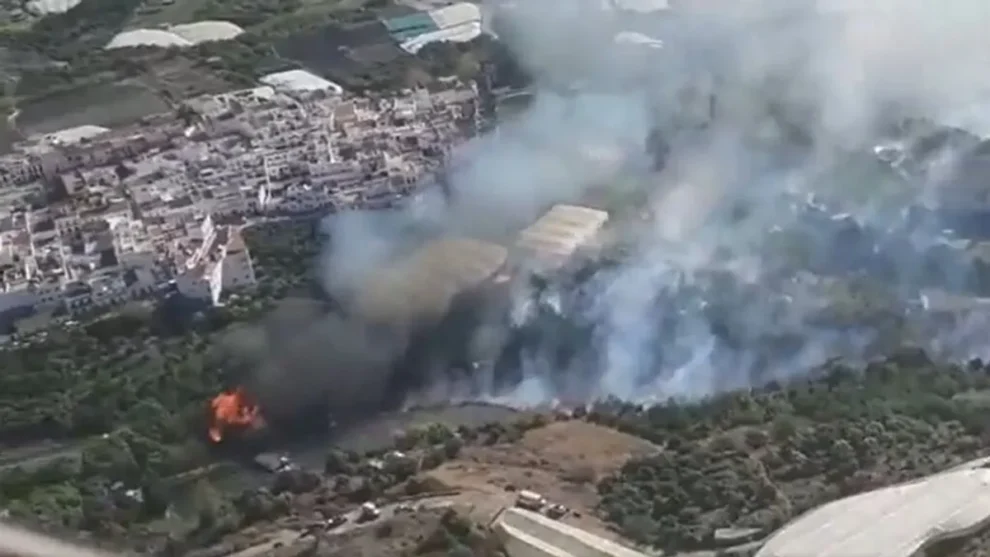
(838, 433)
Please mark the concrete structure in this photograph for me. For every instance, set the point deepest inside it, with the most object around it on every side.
(455, 23)
(147, 37)
(423, 286)
(528, 534)
(300, 81)
(184, 35)
(207, 31)
(899, 521)
(71, 136)
(233, 269)
(551, 241)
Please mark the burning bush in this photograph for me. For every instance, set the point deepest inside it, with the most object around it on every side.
(233, 410)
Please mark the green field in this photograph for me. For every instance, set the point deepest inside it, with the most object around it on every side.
(100, 105)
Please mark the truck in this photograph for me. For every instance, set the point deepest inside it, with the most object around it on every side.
(369, 511)
(530, 500)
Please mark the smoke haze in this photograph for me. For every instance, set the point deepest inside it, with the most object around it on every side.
(781, 176)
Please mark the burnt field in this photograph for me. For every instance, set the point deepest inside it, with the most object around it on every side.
(307, 442)
(377, 432)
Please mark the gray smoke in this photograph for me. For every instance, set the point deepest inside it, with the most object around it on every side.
(554, 152)
(783, 171)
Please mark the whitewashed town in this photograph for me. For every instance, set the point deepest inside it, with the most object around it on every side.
(93, 217)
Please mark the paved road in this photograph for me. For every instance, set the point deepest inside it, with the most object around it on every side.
(390, 511)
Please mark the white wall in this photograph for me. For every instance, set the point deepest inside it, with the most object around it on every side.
(519, 544)
(573, 541)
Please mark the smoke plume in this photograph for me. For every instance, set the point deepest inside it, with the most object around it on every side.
(778, 237)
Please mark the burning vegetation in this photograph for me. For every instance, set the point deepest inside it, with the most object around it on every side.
(233, 411)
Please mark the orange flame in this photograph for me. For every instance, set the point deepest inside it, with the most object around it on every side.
(233, 410)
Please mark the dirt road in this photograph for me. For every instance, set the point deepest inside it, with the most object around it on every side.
(16, 542)
(35, 456)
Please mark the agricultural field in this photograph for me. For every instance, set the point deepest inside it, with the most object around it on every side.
(99, 105)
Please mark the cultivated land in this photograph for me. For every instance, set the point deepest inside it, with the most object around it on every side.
(99, 105)
(62, 72)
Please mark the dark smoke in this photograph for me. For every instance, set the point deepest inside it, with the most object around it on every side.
(305, 361)
(799, 173)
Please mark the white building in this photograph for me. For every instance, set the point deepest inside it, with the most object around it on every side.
(193, 283)
(556, 237)
(300, 81)
(233, 270)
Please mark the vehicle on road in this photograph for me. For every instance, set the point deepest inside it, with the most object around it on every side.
(369, 511)
(530, 500)
(556, 510)
(336, 521)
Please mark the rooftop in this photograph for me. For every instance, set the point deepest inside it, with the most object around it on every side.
(51, 6)
(456, 15)
(70, 136)
(205, 31)
(300, 81)
(147, 37)
(459, 34)
(183, 35)
(555, 236)
(455, 23)
(408, 26)
(897, 521)
(425, 283)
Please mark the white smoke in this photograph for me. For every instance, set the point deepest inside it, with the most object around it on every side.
(804, 90)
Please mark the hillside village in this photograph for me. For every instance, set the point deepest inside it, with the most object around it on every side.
(93, 217)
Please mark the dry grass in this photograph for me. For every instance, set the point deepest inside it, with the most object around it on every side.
(562, 461)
